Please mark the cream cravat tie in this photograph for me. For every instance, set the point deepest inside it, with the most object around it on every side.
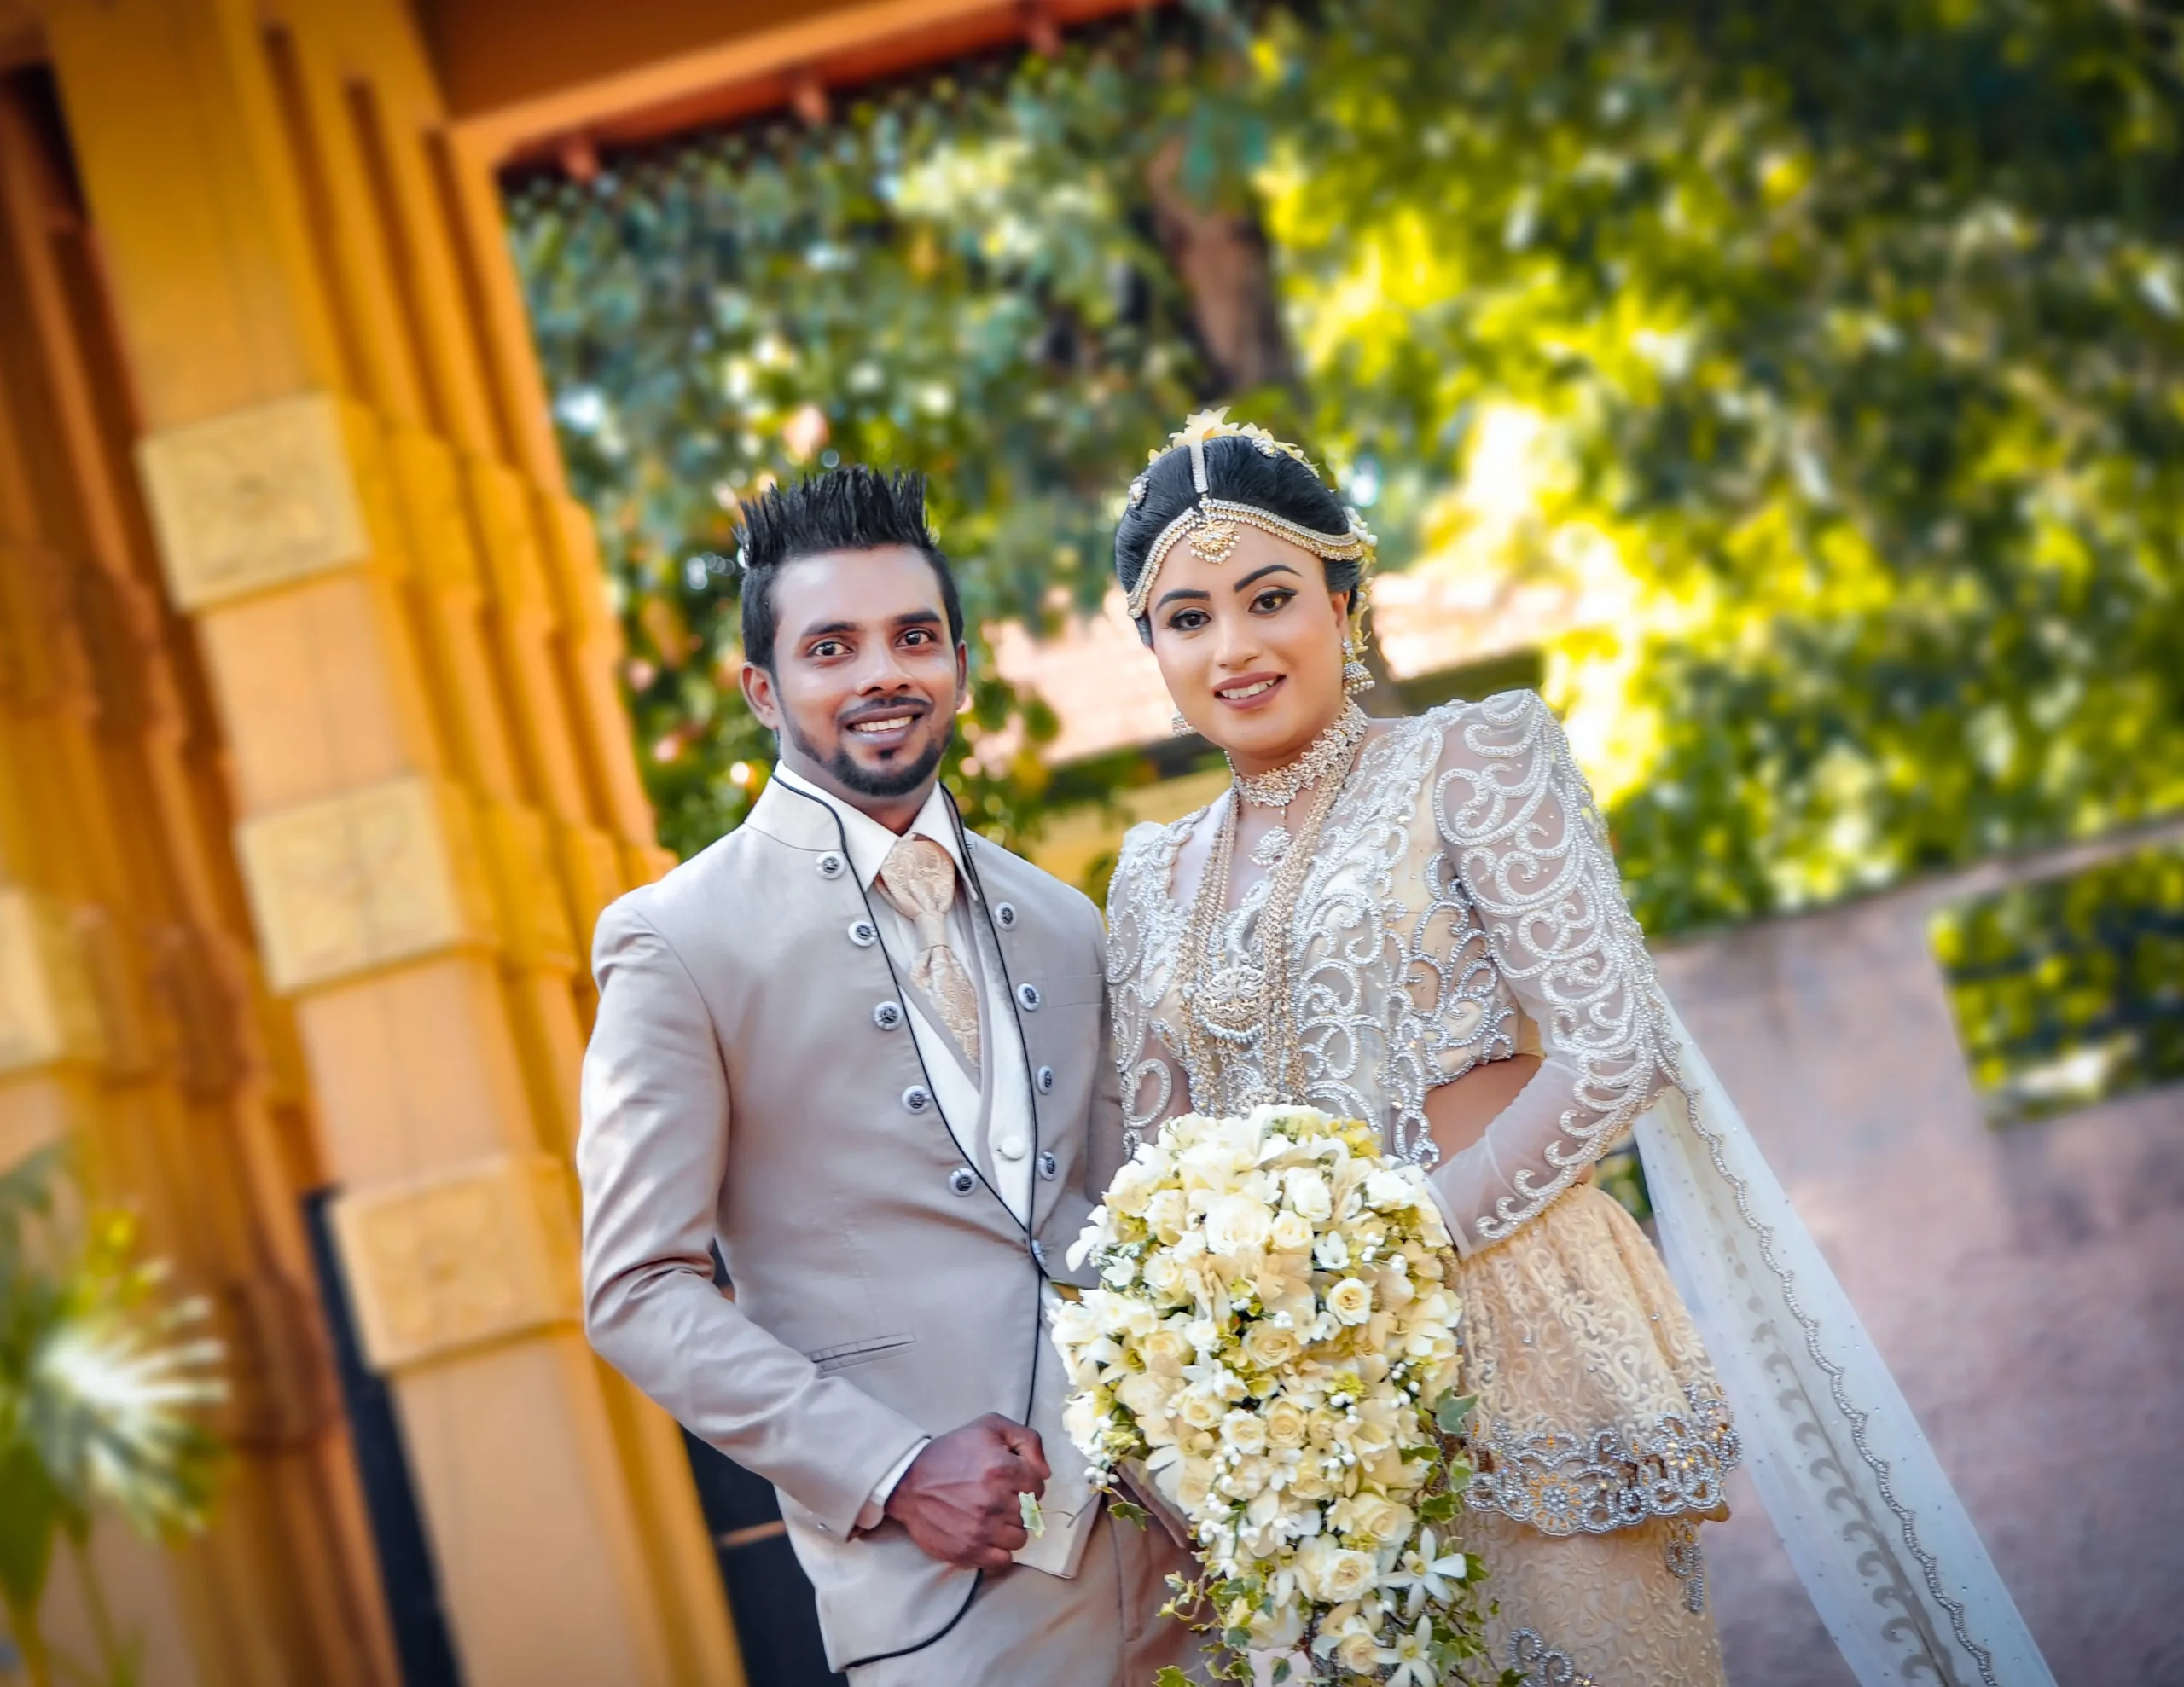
(918, 878)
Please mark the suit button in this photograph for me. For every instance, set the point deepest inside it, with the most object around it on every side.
(887, 1016)
(1029, 995)
(863, 933)
(1010, 1147)
(1004, 914)
(1050, 1167)
(1046, 1081)
(1039, 1253)
(917, 1097)
(962, 1180)
(830, 865)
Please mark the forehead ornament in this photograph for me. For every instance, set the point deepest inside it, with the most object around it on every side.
(1210, 524)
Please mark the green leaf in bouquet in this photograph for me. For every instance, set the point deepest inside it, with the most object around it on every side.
(1129, 1511)
(1452, 1411)
(1438, 1508)
(1171, 1677)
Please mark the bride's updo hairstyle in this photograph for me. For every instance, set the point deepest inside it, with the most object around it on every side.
(1215, 476)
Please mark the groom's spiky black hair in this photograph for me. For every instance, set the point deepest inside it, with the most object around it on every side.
(843, 509)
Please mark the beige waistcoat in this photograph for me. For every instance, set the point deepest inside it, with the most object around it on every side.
(752, 1080)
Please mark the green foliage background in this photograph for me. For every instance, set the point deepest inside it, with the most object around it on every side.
(1852, 334)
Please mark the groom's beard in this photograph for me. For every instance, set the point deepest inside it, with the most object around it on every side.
(853, 775)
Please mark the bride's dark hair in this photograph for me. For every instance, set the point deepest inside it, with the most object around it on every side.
(1236, 469)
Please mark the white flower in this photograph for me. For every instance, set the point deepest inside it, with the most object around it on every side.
(1292, 1232)
(1350, 1301)
(1412, 1656)
(1286, 1423)
(1358, 1652)
(1427, 1574)
(1245, 1431)
(1309, 1196)
(1237, 1224)
(1270, 1345)
(1388, 1189)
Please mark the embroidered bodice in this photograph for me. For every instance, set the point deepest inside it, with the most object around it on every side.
(1462, 906)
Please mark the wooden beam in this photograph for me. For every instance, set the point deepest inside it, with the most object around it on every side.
(524, 79)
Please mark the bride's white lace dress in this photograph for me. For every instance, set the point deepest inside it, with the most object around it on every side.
(1462, 907)
(1458, 910)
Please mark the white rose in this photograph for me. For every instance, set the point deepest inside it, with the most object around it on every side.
(1388, 1189)
(1244, 1431)
(1308, 1482)
(1167, 1215)
(1144, 1394)
(1236, 1224)
(1164, 1275)
(1359, 1653)
(1309, 1195)
(1292, 1232)
(1165, 1351)
(1073, 1325)
(1345, 1575)
(1286, 1423)
(1383, 1519)
(1270, 1345)
(1350, 1301)
(1200, 1412)
(1132, 1188)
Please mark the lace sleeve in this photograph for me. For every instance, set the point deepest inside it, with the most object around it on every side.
(1143, 940)
(1519, 828)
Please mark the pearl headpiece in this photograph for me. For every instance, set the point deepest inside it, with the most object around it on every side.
(1210, 524)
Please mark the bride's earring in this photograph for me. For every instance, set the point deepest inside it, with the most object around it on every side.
(1178, 724)
(1356, 675)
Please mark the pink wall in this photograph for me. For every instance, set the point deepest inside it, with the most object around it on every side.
(2026, 1286)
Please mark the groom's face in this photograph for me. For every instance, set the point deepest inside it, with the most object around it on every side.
(865, 679)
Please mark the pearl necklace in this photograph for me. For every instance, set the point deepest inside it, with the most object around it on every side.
(1278, 787)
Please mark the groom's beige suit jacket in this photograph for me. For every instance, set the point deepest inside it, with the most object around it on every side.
(751, 1082)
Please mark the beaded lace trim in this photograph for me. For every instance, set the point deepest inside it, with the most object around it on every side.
(1564, 1484)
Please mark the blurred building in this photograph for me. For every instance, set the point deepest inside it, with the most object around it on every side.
(314, 775)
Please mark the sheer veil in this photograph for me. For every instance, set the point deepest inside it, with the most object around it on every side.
(1876, 1532)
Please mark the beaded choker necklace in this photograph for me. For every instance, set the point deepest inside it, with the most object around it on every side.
(1278, 787)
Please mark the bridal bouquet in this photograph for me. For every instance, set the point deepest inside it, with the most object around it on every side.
(1273, 1337)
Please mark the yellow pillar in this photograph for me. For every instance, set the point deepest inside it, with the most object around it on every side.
(129, 1020)
(357, 508)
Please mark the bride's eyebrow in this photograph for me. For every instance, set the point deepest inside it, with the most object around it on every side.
(1261, 573)
(1167, 598)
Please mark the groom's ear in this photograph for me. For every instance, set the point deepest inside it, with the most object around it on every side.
(962, 677)
(758, 692)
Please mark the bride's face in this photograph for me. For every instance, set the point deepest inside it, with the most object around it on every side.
(1250, 647)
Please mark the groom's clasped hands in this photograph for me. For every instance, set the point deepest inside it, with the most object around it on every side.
(959, 1498)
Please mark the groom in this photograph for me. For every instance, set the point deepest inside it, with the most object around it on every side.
(865, 1051)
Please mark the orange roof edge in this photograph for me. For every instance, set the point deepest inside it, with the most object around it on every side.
(524, 79)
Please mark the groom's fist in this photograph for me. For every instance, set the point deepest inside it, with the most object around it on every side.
(958, 1498)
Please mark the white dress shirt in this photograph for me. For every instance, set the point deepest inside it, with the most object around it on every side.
(998, 1137)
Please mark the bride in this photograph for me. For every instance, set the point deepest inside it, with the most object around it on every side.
(1418, 922)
